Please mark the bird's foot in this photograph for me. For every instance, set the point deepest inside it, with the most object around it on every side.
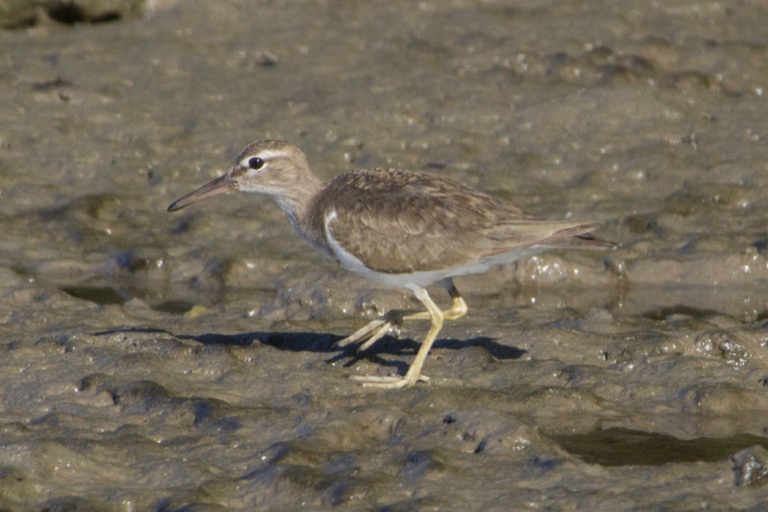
(375, 330)
(389, 381)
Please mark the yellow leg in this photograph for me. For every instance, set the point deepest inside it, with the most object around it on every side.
(436, 316)
(375, 330)
(458, 307)
(378, 328)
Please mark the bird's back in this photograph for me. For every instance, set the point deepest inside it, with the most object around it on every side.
(399, 222)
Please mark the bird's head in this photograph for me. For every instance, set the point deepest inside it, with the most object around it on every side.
(274, 167)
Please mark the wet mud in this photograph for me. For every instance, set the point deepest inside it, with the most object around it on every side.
(157, 361)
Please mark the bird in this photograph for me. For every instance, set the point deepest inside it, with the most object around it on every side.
(400, 228)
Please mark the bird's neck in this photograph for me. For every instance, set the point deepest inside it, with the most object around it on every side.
(297, 206)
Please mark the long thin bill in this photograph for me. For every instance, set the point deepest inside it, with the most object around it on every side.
(220, 185)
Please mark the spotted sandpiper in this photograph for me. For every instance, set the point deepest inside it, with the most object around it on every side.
(404, 229)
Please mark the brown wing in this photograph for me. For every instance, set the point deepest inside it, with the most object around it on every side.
(399, 221)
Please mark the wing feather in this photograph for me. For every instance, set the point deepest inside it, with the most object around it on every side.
(400, 221)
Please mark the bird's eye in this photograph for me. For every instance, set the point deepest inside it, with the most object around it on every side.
(255, 163)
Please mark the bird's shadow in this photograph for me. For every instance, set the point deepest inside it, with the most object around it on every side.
(327, 343)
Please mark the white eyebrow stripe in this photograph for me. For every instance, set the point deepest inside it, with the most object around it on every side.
(265, 155)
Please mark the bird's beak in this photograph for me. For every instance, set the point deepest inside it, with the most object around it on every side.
(220, 185)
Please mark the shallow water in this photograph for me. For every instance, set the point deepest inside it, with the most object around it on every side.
(156, 361)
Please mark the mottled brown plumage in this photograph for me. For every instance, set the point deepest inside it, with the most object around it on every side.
(399, 221)
(401, 228)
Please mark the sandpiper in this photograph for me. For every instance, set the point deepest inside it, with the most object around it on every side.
(403, 229)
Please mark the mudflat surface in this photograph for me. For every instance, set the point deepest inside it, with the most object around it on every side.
(156, 361)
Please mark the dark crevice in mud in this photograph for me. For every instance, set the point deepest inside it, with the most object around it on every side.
(29, 14)
(174, 307)
(625, 447)
(102, 295)
(662, 313)
(107, 295)
(70, 13)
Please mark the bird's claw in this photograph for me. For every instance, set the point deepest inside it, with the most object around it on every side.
(374, 331)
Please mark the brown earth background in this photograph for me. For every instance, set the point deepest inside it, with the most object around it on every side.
(155, 361)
